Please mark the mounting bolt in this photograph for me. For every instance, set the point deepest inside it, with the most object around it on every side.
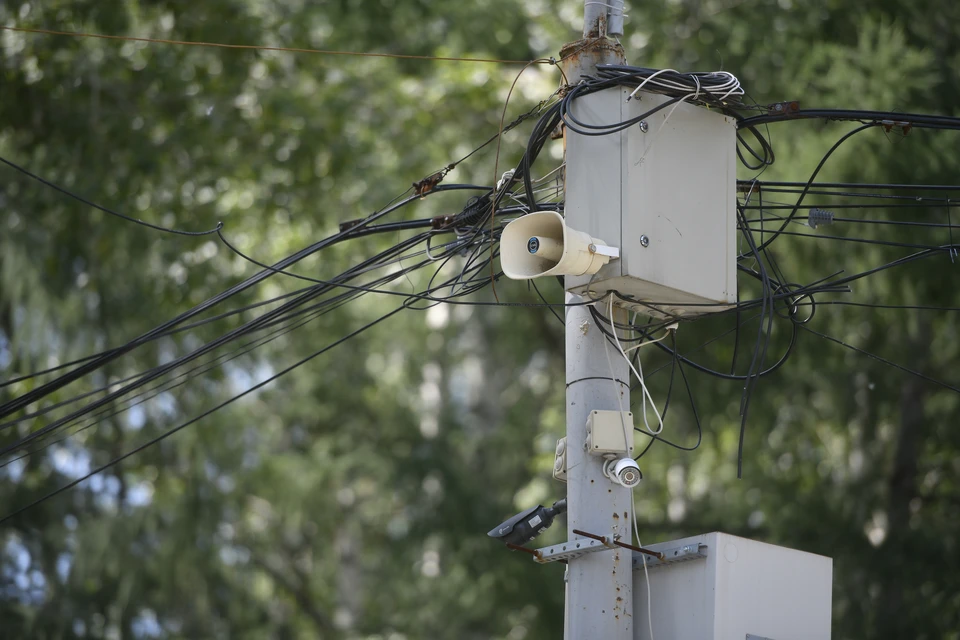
(644, 241)
(592, 248)
(644, 127)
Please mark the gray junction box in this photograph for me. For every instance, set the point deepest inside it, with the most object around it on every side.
(721, 587)
(668, 202)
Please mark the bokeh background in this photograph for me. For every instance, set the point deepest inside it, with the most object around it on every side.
(351, 498)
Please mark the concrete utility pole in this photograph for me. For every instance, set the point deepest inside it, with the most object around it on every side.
(599, 586)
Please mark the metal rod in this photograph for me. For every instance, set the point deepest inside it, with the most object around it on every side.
(534, 552)
(649, 552)
(517, 547)
(609, 542)
(602, 18)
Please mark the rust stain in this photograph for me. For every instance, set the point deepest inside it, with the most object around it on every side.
(581, 56)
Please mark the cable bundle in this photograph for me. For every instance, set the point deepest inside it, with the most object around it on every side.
(719, 90)
(714, 88)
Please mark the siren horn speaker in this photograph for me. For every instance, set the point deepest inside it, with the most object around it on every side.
(541, 244)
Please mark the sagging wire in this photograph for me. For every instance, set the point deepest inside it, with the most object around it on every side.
(638, 372)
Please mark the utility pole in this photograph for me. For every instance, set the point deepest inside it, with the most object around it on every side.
(599, 586)
(618, 249)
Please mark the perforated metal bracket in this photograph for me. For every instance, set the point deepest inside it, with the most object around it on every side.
(569, 550)
(672, 555)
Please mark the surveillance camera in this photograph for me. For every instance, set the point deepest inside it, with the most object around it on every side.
(626, 473)
(527, 525)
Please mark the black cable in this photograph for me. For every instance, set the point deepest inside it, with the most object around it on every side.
(888, 119)
(35, 394)
(813, 177)
(177, 362)
(206, 413)
(772, 185)
(693, 407)
(884, 243)
(384, 279)
(666, 403)
(883, 360)
(879, 306)
(65, 422)
(78, 198)
(163, 387)
(186, 327)
(552, 310)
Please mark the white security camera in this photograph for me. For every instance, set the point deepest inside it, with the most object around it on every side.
(625, 472)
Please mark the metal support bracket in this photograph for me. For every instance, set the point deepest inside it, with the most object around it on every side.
(673, 555)
(604, 250)
(569, 550)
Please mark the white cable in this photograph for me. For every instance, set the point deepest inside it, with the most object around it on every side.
(648, 79)
(549, 173)
(606, 464)
(646, 574)
(672, 327)
(727, 84)
(646, 394)
(613, 377)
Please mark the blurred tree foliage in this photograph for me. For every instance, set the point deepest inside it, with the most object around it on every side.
(351, 498)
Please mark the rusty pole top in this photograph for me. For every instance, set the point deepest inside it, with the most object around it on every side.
(601, 19)
(581, 57)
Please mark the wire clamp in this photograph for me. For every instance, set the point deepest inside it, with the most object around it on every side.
(349, 224)
(428, 184)
(901, 126)
(819, 217)
(786, 109)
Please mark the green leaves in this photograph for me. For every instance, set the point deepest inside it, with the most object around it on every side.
(351, 498)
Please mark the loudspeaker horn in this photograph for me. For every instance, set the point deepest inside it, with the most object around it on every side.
(541, 244)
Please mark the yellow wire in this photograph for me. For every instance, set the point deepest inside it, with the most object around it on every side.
(80, 34)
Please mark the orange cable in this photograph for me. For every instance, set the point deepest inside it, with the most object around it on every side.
(221, 45)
